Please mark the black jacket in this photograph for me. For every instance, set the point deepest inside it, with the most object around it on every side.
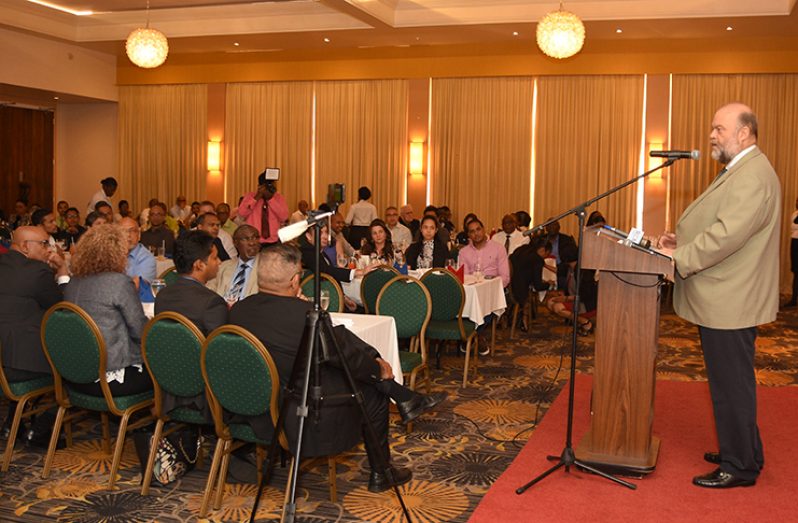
(439, 253)
(27, 290)
(206, 309)
(309, 262)
(527, 266)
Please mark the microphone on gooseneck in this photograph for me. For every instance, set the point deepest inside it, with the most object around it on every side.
(695, 154)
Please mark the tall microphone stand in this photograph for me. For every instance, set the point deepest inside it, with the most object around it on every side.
(318, 345)
(568, 458)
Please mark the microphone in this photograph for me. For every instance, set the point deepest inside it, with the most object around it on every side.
(289, 232)
(695, 154)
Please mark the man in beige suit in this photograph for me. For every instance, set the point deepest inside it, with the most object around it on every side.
(238, 278)
(726, 250)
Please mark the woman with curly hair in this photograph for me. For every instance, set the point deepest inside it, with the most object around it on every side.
(379, 242)
(100, 287)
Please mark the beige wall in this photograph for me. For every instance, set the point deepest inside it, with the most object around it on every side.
(85, 151)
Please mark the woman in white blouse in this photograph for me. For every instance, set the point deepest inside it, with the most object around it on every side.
(360, 216)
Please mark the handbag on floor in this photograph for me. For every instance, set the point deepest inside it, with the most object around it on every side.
(176, 454)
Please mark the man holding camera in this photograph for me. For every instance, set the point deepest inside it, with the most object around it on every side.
(265, 209)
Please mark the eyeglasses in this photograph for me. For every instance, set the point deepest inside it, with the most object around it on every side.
(43, 243)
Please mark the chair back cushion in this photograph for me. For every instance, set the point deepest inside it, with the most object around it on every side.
(238, 374)
(331, 286)
(408, 302)
(172, 353)
(72, 341)
(372, 284)
(446, 292)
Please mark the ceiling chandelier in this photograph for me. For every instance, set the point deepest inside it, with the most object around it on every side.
(147, 47)
(560, 34)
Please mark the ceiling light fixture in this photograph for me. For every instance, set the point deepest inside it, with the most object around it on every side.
(147, 47)
(560, 34)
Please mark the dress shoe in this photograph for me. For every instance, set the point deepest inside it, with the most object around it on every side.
(378, 482)
(418, 405)
(40, 439)
(720, 479)
(712, 457)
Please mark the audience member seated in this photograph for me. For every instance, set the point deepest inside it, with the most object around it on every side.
(216, 231)
(60, 214)
(596, 218)
(462, 237)
(559, 243)
(428, 251)
(223, 213)
(400, 235)
(524, 220)
(378, 246)
(482, 255)
(105, 210)
(276, 316)
(443, 234)
(21, 215)
(360, 216)
(95, 218)
(238, 279)
(197, 263)
(445, 218)
(158, 235)
(73, 230)
(124, 211)
(528, 263)
(308, 250)
(144, 215)
(407, 219)
(301, 213)
(339, 246)
(510, 238)
(101, 288)
(180, 210)
(563, 305)
(140, 261)
(45, 220)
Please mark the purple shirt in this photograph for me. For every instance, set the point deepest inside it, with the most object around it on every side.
(491, 257)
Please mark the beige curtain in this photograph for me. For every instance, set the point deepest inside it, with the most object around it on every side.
(162, 142)
(361, 139)
(481, 146)
(269, 125)
(773, 99)
(589, 136)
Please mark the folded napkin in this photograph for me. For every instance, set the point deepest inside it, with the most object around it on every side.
(460, 273)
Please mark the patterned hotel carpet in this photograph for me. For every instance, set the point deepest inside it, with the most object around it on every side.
(455, 453)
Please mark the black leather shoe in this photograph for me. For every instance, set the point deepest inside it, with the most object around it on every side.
(720, 479)
(418, 405)
(712, 457)
(378, 482)
(41, 440)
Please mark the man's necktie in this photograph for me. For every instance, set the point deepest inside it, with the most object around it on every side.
(238, 282)
(507, 244)
(264, 221)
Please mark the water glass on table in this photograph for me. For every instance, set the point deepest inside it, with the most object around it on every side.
(478, 272)
(156, 286)
(324, 299)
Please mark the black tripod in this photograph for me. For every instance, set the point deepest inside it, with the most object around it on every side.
(567, 458)
(319, 345)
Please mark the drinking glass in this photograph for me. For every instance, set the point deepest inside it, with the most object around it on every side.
(161, 254)
(156, 286)
(342, 260)
(324, 299)
(478, 272)
(450, 263)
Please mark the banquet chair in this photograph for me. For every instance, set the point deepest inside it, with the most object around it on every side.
(23, 393)
(446, 321)
(373, 282)
(242, 380)
(409, 303)
(170, 347)
(75, 348)
(327, 283)
(527, 309)
(169, 275)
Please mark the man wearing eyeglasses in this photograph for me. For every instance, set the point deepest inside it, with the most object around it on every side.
(238, 279)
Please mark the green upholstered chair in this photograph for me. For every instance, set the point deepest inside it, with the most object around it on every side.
(75, 349)
(409, 303)
(169, 275)
(170, 347)
(327, 283)
(446, 321)
(22, 392)
(241, 379)
(373, 283)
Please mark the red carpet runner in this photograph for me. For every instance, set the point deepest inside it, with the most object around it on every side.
(683, 421)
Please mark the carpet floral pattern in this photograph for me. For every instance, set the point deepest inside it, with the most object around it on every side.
(456, 452)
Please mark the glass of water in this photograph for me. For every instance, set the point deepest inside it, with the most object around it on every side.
(324, 299)
(478, 272)
(156, 286)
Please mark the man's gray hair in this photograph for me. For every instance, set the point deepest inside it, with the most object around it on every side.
(277, 265)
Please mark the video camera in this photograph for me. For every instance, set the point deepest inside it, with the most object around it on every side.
(268, 177)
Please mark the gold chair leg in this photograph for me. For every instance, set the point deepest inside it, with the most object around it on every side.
(156, 438)
(493, 334)
(514, 320)
(217, 503)
(467, 359)
(12, 437)
(214, 470)
(331, 473)
(118, 447)
(68, 432)
(48, 461)
(106, 432)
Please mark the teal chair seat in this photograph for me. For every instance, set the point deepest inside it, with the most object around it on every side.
(20, 388)
(449, 329)
(98, 403)
(187, 415)
(410, 360)
(244, 432)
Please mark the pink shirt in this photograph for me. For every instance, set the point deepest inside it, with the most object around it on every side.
(491, 257)
(250, 210)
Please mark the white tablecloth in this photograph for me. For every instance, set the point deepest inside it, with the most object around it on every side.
(162, 264)
(377, 331)
(483, 298)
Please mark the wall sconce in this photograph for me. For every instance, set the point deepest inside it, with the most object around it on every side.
(416, 157)
(654, 162)
(214, 156)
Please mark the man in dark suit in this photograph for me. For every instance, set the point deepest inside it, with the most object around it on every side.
(528, 263)
(277, 317)
(308, 250)
(559, 244)
(197, 262)
(29, 288)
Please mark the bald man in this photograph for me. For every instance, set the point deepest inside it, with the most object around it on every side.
(31, 273)
(140, 261)
(726, 251)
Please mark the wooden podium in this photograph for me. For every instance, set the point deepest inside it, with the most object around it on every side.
(622, 406)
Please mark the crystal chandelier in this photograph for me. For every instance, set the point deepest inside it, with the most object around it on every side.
(147, 47)
(560, 34)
